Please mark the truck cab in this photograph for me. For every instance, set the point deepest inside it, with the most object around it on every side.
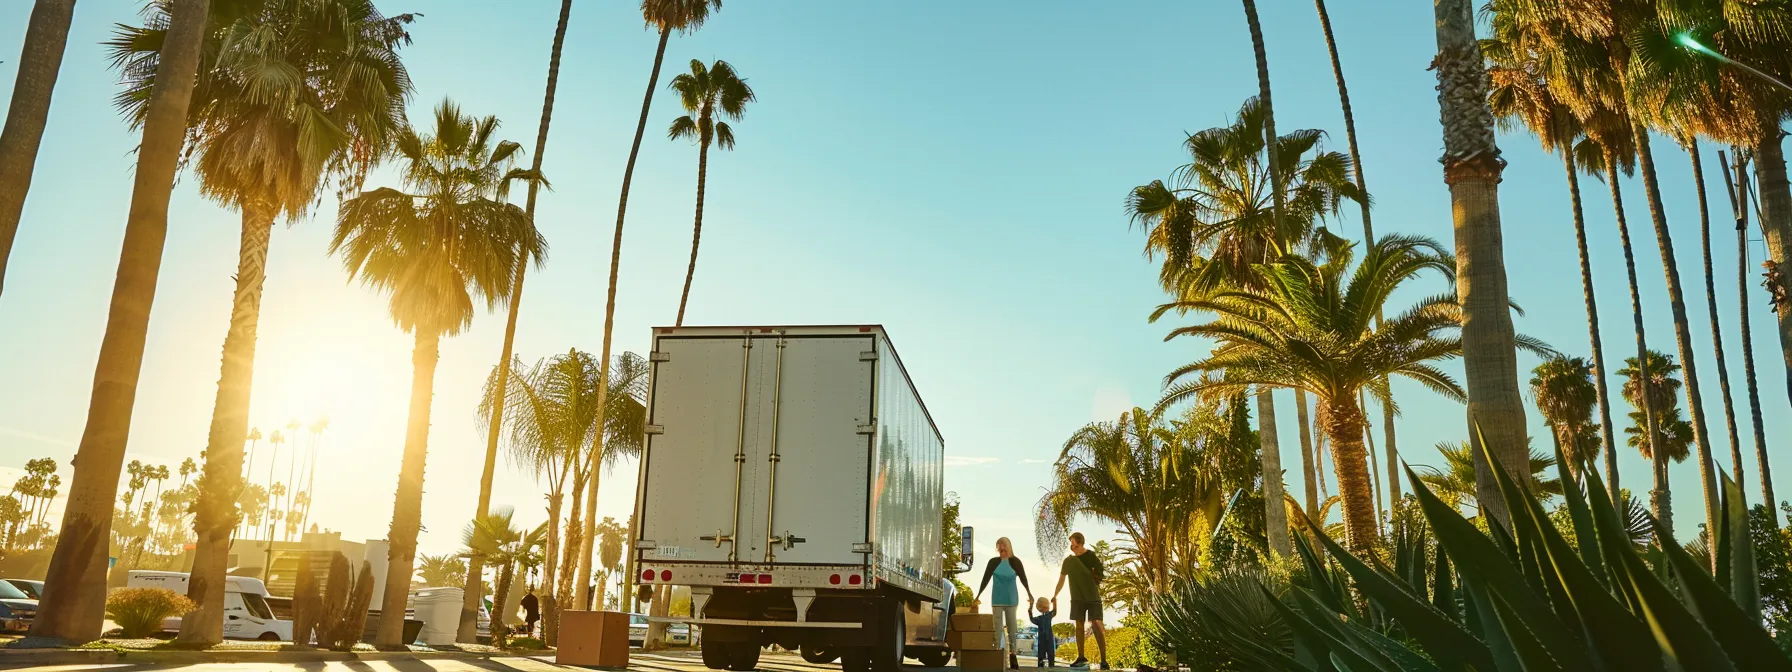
(246, 611)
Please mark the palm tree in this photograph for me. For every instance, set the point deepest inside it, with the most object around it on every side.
(1309, 327)
(264, 141)
(1216, 222)
(274, 439)
(625, 421)
(1652, 389)
(441, 570)
(663, 16)
(467, 633)
(553, 417)
(610, 535)
(1566, 395)
(1164, 484)
(316, 429)
(1356, 159)
(703, 92)
(1737, 189)
(434, 251)
(496, 538)
(1519, 97)
(1472, 168)
(1691, 144)
(77, 610)
(1455, 482)
(292, 462)
(46, 37)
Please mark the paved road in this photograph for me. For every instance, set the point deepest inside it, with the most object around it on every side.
(640, 662)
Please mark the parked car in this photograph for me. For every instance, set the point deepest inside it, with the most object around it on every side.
(1026, 642)
(31, 589)
(16, 608)
(637, 630)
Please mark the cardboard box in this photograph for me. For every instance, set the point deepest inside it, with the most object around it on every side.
(972, 641)
(982, 661)
(974, 622)
(593, 639)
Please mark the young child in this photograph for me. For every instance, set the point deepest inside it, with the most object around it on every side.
(1048, 644)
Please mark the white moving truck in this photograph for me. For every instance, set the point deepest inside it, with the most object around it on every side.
(793, 479)
(246, 612)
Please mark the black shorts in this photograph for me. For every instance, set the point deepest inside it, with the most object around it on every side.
(1085, 610)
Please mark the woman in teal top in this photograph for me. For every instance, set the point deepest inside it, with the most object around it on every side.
(1005, 602)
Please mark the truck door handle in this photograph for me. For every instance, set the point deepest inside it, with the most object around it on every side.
(787, 540)
(233, 618)
(719, 538)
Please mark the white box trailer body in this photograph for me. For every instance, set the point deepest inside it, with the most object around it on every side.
(790, 464)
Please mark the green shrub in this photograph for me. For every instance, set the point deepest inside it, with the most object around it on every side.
(527, 643)
(1126, 649)
(139, 611)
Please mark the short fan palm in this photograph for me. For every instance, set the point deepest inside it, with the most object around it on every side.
(1310, 328)
(435, 250)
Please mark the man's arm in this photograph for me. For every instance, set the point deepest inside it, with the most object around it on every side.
(1059, 589)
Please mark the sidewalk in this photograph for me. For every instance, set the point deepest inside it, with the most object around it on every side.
(136, 651)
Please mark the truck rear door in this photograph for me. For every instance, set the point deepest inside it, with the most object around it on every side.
(817, 495)
(758, 449)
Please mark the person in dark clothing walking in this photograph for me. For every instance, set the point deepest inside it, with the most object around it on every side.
(531, 612)
(1084, 572)
(1005, 603)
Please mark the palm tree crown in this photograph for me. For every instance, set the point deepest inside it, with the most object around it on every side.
(1566, 396)
(450, 240)
(1213, 221)
(704, 91)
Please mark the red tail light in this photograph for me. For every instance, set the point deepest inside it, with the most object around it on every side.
(765, 578)
(647, 575)
(855, 579)
(834, 580)
(665, 575)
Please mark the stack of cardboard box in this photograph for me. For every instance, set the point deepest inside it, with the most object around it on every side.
(973, 637)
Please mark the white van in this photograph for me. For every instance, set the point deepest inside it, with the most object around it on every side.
(246, 612)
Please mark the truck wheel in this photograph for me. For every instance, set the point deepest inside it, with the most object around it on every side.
(886, 654)
(818, 655)
(743, 656)
(934, 657)
(716, 655)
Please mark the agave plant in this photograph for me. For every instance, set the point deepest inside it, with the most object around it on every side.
(1519, 598)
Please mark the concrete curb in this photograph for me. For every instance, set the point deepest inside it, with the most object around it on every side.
(35, 657)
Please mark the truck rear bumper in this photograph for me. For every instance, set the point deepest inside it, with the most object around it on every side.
(832, 577)
(757, 623)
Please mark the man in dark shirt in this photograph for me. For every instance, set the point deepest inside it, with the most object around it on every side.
(531, 612)
(1084, 572)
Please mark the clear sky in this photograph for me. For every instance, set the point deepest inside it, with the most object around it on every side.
(953, 171)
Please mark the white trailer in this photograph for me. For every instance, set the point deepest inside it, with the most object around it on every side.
(793, 479)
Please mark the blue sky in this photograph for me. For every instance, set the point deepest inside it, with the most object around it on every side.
(953, 171)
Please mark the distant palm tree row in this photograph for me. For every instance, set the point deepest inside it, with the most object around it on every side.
(270, 102)
(1240, 232)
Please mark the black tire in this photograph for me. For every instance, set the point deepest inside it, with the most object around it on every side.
(934, 657)
(716, 655)
(743, 656)
(269, 637)
(819, 655)
(886, 654)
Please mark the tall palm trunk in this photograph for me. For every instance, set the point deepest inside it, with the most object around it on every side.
(588, 529)
(1609, 444)
(1659, 495)
(1356, 158)
(1776, 227)
(1717, 332)
(46, 37)
(1344, 425)
(570, 548)
(1472, 167)
(500, 598)
(407, 510)
(697, 227)
(467, 631)
(1275, 514)
(581, 591)
(1306, 453)
(74, 608)
(550, 627)
(216, 511)
(1695, 400)
(1737, 190)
